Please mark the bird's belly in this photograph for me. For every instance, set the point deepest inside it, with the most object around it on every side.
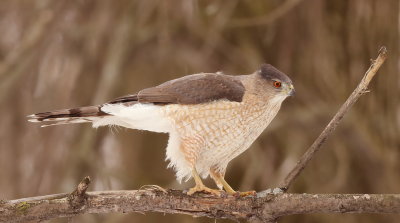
(220, 149)
(223, 129)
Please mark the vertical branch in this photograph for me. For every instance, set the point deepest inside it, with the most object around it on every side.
(360, 90)
(78, 196)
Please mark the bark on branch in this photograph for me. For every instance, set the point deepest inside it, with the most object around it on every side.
(263, 207)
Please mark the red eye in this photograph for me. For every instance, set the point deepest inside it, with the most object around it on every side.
(277, 84)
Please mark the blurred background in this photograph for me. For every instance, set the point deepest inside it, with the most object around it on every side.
(60, 54)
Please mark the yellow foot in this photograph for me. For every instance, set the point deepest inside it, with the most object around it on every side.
(203, 188)
(242, 194)
(247, 193)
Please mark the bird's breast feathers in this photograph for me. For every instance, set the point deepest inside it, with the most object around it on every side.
(175, 117)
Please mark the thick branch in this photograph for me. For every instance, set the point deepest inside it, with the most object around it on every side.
(360, 90)
(264, 207)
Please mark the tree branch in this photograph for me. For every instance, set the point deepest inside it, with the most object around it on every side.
(360, 90)
(78, 197)
(263, 207)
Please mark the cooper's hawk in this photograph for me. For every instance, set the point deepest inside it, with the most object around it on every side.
(211, 118)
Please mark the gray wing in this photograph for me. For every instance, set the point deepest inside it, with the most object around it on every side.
(192, 89)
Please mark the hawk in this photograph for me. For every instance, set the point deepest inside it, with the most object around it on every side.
(211, 118)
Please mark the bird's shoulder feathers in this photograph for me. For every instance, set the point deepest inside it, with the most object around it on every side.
(191, 89)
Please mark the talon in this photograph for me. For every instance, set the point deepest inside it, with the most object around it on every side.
(247, 193)
(200, 186)
(243, 194)
(219, 180)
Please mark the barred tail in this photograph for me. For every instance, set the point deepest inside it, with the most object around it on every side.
(68, 116)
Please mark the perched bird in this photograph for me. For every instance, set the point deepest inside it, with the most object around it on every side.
(211, 118)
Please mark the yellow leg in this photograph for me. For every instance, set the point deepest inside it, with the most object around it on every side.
(219, 180)
(200, 187)
(226, 186)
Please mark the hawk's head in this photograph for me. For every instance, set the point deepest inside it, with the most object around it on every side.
(275, 81)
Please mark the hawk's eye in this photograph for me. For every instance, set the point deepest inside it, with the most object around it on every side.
(277, 84)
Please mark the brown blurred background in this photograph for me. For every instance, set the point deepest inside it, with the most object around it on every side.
(59, 54)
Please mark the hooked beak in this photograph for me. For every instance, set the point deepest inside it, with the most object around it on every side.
(291, 90)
